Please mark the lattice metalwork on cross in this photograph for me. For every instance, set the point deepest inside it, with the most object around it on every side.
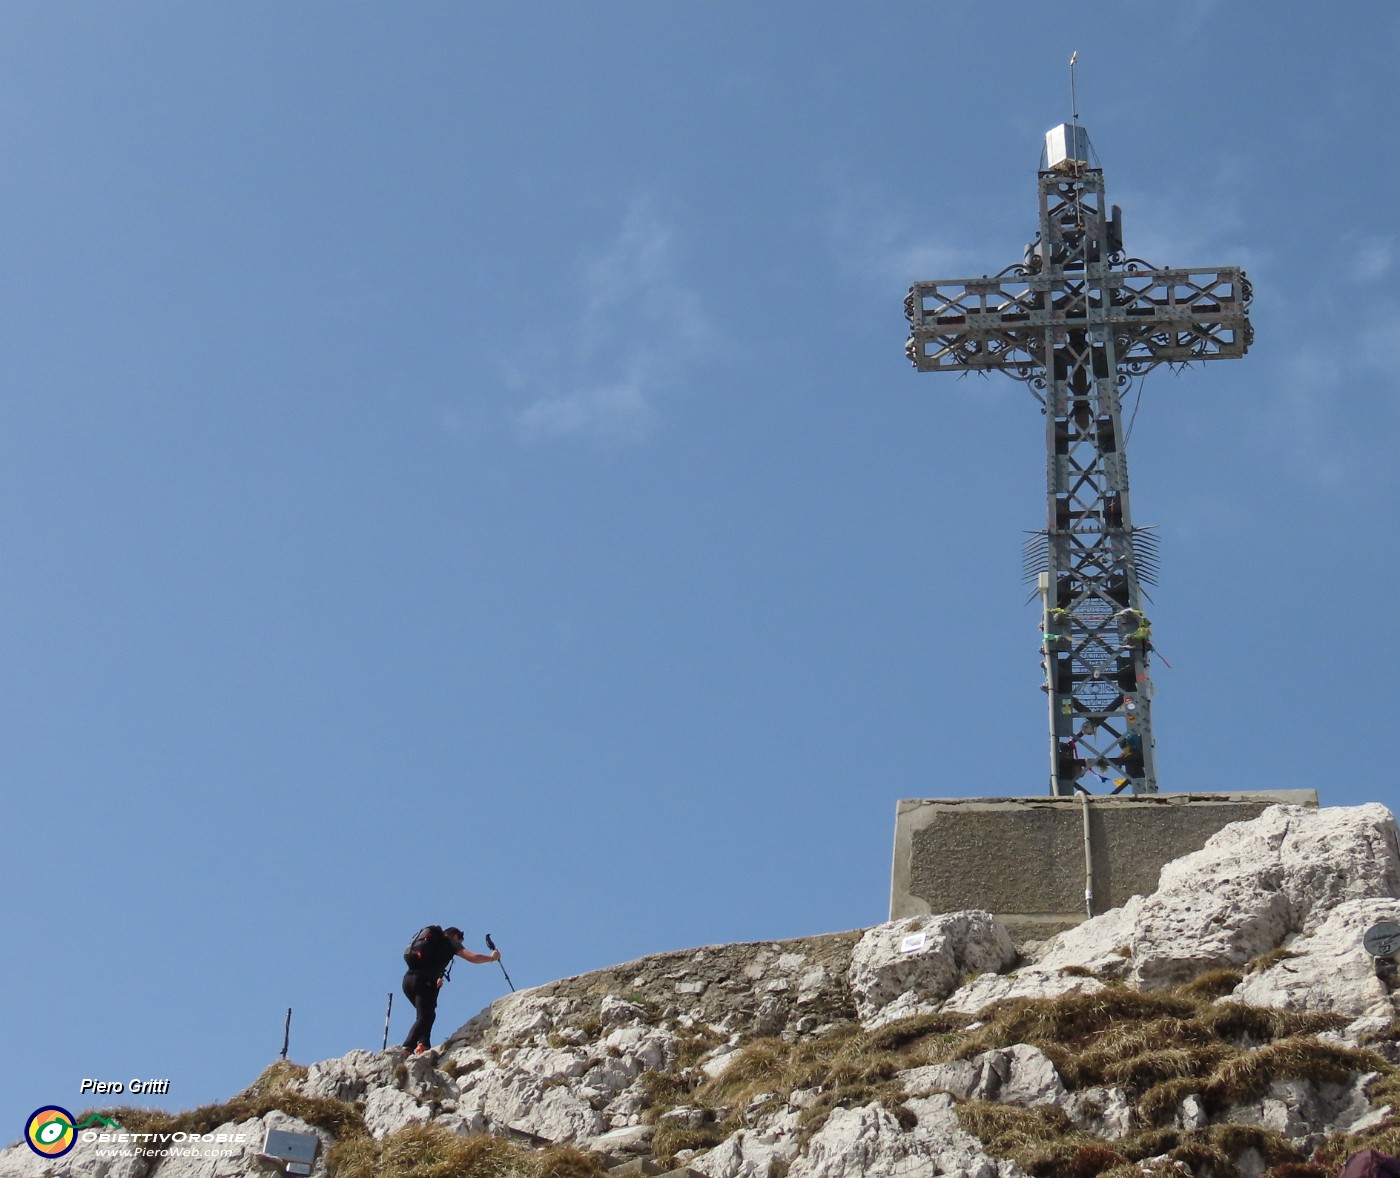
(1078, 321)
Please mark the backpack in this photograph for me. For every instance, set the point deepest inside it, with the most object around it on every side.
(429, 950)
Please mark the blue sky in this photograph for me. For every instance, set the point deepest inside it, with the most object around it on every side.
(459, 464)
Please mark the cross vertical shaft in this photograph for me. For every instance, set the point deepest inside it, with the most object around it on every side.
(1077, 321)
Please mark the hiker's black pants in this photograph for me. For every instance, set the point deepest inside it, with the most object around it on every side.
(422, 990)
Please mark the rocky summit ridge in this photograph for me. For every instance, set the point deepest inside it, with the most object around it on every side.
(1229, 1025)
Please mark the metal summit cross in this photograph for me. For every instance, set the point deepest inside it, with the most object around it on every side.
(1077, 321)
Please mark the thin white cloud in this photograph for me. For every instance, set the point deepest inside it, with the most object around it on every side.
(1326, 389)
(634, 328)
(1378, 340)
(1373, 259)
(870, 238)
(621, 412)
(1177, 227)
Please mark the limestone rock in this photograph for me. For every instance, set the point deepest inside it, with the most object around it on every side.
(953, 944)
(615, 1011)
(82, 1161)
(1100, 945)
(869, 1141)
(349, 1077)
(907, 1005)
(549, 1062)
(424, 1080)
(1105, 1111)
(529, 1103)
(242, 1160)
(1331, 971)
(718, 1062)
(1256, 882)
(1253, 885)
(522, 1018)
(626, 1107)
(387, 1110)
(648, 1047)
(463, 1121)
(749, 1153)
(634, 1139)
(1296, 1108)
(1020, 1075)
(612, 1075)
(575, 1061)
(1027, 982)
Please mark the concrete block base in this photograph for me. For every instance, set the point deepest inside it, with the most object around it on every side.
(1024, 859)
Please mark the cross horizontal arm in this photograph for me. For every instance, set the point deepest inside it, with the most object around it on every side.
(1003, 322)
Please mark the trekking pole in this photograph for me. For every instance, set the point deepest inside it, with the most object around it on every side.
(490, 944)
(387, 1009)
(287, 1033)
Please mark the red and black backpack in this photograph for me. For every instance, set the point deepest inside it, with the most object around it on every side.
(430, 951)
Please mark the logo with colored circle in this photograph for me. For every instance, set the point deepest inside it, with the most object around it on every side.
(50, 1131)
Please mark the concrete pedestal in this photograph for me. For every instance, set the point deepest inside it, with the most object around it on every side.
(1025, 859)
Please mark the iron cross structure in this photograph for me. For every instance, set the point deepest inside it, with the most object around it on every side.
(1078, 321)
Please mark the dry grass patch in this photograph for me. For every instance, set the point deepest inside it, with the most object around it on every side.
(429, 1151)
(1273, 1147)
(917, 1029)
(845, 1068)
(1138, 1073)
(1159, 1103)
(1385, 1090)
(1042, 1141)
(1249, 1074)
(1242, 1075)
(1215, 983)
(693, 1043)
(842, 1059)
(1045, 1144)
(267, 1092)
(671, 1137)
(1262, 1024)
(1336, 1149)
(1072, 1021)
(1269, 960)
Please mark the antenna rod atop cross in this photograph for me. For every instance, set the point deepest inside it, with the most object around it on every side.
(1073, 95)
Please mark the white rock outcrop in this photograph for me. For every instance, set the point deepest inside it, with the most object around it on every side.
(1020, 1075)
(1325, 971)
(870, 1141)
(349, 1077)
(926, 957)
(1249, 890)
(1255, 883)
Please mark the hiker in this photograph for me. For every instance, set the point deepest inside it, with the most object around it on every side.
(429, 960)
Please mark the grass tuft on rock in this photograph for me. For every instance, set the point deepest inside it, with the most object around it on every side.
(672, 1136)
(1269, 960)
(1215, 983)
(1043, 1141)
(430, 1151)
(1249, 1074)
(269, 1091)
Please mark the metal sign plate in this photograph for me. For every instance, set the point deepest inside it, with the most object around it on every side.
(1383, 939)
(290, 1147)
